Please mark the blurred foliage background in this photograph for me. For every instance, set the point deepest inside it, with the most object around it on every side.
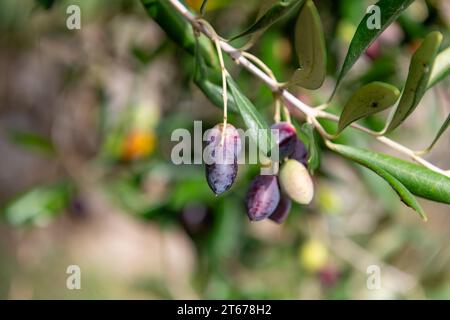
(86, 118)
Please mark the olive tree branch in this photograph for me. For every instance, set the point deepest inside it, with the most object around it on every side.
(309, 111)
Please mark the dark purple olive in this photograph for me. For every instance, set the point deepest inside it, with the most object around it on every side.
(263, 197)
(221, 177)
(221, 161)
(300, 153)
(282, 211)
(287, 135)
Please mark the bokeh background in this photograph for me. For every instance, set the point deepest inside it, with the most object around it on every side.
(86, 176)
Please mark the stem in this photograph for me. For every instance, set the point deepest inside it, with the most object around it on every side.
(277, 115)
(311, 112)
(224, 88)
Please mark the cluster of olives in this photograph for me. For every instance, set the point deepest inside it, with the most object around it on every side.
(269, 196)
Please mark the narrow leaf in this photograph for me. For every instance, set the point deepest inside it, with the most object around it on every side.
(308, 136)
(440, 133)
(252, 118)
(404, 194)
(441, 67)
(270, 12)
(203, 7)
(369, 99)
(418, 77)
(419, 180)
(178, 29)
(311, 49)
(367, 33)
(204, 78)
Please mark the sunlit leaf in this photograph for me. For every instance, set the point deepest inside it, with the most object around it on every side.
(419, 180)
(441, 68)
(419, 74)
(311, 49)
(365, 36)
(369, 99)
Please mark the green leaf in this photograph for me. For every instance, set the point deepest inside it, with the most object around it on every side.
(270, 12)
(419, 180)
(311, 49)
(259, 131)
(179, 30)
(404, 194)
(308, 136)
(440, 132)
(32, 141)
(441, 68)
(205, 78)
(38, 205)
(203, 7)
(418, 77)
(214, 94)
(369, 99)
(364, 37)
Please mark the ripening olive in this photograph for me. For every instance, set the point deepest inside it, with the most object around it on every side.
(286, 138)
(263, 197)
(300, 153)
(282, 211)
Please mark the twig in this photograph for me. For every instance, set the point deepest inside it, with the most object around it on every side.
(309, 111)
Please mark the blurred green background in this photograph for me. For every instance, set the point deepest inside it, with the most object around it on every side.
(86, 176)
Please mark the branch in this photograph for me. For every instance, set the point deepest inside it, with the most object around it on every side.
(309, 111)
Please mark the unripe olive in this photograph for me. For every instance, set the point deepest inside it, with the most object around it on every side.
(263, 197)
(296, 182)
(282, 211)
(222, 168)
(287, 136)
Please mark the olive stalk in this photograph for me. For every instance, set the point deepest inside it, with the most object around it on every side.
(310, 112)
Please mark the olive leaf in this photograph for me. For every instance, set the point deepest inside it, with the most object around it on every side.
(441, 67)
(418, 78)
(308, 136)
(203, 7)
(365, 36)
(369, 99)
(419, 180)
(179, 30)
(404, 194)
(206, 80)
(270, 12)
(311, 49)
(440, 132)
(254, 121)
